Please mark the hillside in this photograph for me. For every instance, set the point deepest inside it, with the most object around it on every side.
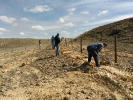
(19, 42)
(101, 33)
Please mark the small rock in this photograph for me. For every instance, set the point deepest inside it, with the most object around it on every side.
(131, 89)
(63, 65)
(1, 66)
(37, 84)
(87, 98)
(83, 92)
(23, 64)
(65, 98)
(75, 64)
(69, 93)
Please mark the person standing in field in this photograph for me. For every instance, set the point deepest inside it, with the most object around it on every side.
(40, 44)
(57, 42)
(93, 50)
(53, 42)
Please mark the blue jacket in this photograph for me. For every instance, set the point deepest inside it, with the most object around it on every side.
(52, 39)
(95, 46)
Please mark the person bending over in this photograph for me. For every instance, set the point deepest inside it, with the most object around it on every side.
(93, 50)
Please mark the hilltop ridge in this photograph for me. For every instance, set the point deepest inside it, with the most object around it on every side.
(102, 32)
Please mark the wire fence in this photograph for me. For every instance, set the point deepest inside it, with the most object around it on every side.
(119, 50)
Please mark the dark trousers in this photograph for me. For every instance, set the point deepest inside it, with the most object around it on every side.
(57, 49)
(93, 53)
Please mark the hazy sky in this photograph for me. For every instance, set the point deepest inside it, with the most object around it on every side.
(70, 18)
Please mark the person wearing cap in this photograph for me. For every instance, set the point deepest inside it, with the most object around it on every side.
(93, 50)
(57, 42)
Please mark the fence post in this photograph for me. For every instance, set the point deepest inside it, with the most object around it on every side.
(81, 45)
(65, 42)
(115, 48)
(114, 33)
(72, 43)
(12, 50)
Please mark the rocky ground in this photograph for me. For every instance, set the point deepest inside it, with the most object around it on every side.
(40, 75)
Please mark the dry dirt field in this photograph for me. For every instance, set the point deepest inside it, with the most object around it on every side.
(40, 75)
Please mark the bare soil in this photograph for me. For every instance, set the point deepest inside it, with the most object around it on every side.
(37, 74)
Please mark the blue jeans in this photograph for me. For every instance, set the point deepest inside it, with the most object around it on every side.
(93, 53)
(53, 45)
(57, 50)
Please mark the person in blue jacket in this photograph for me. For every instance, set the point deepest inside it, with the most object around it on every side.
(53, 41)
(93, 50)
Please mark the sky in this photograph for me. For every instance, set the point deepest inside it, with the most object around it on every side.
(43, 18)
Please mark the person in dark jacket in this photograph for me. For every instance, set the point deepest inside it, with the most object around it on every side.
(40, 44)
(93, 50)
(57, 42)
